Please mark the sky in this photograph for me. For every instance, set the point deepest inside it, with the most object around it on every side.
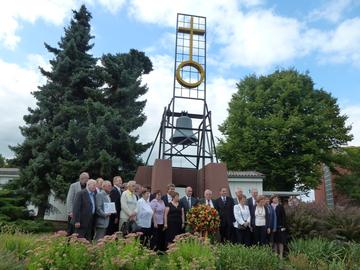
(243, 37)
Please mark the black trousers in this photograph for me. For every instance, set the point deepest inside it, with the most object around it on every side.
(158, 240)
(243, 236)
(260, 235)
(70, 227)
(86, 230)
(227, 233)
(146, 236)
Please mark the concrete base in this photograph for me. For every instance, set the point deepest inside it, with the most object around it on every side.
(213, 176)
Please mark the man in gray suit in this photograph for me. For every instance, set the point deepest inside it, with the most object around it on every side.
(74, 188)
(102, 218)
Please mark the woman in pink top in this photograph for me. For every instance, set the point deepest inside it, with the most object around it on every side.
(158, 207)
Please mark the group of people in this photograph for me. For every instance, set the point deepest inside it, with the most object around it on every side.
(258, 220)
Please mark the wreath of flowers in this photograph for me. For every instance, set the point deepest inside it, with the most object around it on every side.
(203, 218)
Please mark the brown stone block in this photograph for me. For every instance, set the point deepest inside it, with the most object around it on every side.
(161, 175)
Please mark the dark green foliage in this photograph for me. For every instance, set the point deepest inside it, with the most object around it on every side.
(347, 181)
(84, 116)
(283, 127)
(242, 258)
(312, 220)
(323, 254)
(12, 205)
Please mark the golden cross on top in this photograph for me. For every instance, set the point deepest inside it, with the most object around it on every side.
(192, 32)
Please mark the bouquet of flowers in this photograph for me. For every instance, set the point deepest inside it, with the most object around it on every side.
(203, 219)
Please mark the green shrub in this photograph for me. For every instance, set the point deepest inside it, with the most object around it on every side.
(304, 221)
(342, 224)
(117, 253)
(61, 252)
(311, 220)
(243, 258)
(190, 252)
(9, 261)
(17, 243)
(317, 250)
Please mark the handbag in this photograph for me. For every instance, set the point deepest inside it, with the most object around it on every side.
(242, 226)
(129, 226)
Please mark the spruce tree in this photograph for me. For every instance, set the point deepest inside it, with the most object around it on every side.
(77, 125)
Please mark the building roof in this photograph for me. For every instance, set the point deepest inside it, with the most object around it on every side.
(9, 171)
(245, 174)
(283, 193)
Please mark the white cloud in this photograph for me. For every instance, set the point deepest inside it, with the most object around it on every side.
(343, 44)
(332, 10)
(257, 37)
(353, 113)
(16, 85)
(14, 13)
(260, 39)
(112, 5)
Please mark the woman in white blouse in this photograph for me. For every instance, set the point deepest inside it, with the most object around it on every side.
(243, 221)
(260, 222)
(144, 214)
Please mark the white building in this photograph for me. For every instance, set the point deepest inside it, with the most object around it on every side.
(246, 180)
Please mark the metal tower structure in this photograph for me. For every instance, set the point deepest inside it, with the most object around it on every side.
(185, 134)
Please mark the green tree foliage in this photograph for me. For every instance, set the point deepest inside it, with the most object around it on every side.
(347, 181)
(283, 127)
(77, 124)
(2, 161)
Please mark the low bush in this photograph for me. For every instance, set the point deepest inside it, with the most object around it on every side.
(9, 261)
(61, 252)
(324, 254)
(243, 258)
(115, 253)
(17, 243)
(309, 220)
(191, 252)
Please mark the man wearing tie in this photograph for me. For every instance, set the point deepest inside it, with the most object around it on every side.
(167, 197)
(84, 210)
(115, 196)
(207, 199)
(187, 202)
(225, 207)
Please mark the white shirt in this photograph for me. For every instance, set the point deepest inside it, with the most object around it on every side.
(144, 213)
(209, 202)
(242, 215)
(260, 216)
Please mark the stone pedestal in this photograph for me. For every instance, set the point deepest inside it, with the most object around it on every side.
(213, 176)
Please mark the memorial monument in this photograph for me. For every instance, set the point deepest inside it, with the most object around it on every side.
(186, 146)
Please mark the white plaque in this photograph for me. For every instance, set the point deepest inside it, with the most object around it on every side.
(109, 208)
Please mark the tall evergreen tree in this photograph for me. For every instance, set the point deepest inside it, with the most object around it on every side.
(283, 127)
(76, 127)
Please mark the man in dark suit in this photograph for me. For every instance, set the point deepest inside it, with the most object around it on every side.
(207, 199)
(251, 202)
(188, 201)
(225, 207)
(115, 195)
(167, 197)
(84, 210)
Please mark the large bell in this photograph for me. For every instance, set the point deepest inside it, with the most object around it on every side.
(183, 136)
